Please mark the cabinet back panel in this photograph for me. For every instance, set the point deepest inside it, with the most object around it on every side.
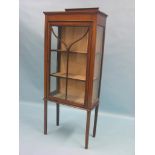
(71, 34)
(77, 64)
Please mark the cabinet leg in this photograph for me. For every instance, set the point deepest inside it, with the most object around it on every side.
(57, 114)
(45, 116)
(87, 129)
(95, 120)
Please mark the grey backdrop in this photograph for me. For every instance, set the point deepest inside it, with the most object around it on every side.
(117, 91)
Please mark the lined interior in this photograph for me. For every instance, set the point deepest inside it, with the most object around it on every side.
(76, 65)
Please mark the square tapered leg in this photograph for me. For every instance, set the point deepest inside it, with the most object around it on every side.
(57, 114)
(87, 129)
(95, 120)
(45, 116)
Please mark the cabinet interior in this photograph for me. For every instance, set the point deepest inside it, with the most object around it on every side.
(70, 63)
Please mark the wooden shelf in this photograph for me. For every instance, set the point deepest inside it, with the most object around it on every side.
(76, 52)
(70, 76)
(76, 99)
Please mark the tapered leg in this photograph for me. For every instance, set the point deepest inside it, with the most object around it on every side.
(57, 114)
(95, 120)
(45, 116)
(87, 129)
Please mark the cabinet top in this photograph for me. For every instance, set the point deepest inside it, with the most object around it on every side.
(77, 10)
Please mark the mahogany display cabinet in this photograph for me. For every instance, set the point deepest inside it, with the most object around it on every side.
(73, 56)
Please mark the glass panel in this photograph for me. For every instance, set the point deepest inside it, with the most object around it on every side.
(53, 67)
(97, 66)
(76, 91)
(58, 87)
(72, 34)
(77, 60)
(58, 64)
(68, 62)
(77, 66)
(54, 40)
(57, 67)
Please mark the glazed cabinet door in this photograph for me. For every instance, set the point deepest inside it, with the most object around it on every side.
(68, 61)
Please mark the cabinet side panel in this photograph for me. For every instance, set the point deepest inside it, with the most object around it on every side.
(98, 63)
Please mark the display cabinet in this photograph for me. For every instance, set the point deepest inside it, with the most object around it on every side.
(73, 56)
